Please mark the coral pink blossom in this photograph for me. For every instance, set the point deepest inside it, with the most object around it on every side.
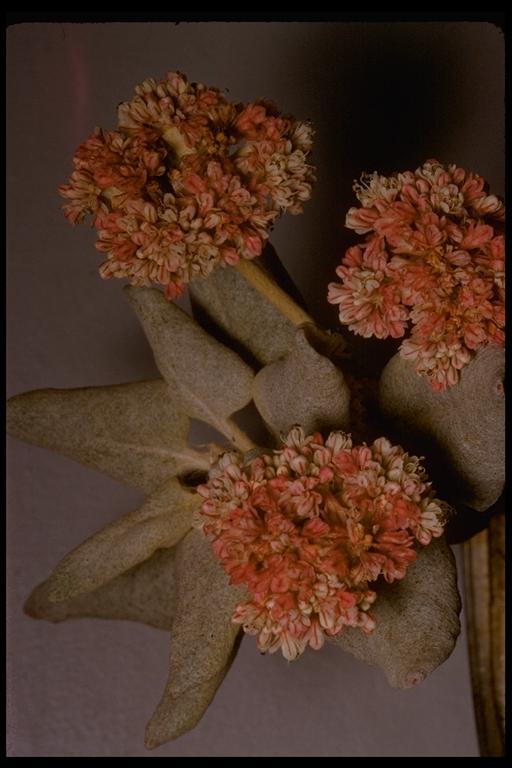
(433, 261)
(308, 528)
(187, 182)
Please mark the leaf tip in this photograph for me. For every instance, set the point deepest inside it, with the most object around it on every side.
(15, 414)
(63, 585)
(413, 678)
(151, 740)
(36, 605)
(163, 728)
(32, 608)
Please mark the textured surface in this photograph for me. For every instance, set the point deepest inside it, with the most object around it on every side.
(202, 640)
(417, 620)
(86, 688)
(303, 388)
(195, 365)
(133, 432)
(462, 428)
(161, 521)
(145, 593)
(243, 315)
(417, 625)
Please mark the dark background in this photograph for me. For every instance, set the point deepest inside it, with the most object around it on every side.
(382, 96)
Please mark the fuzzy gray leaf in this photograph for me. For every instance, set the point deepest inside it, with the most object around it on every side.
(161, 521)
(133, 432)
(210, 381)
(242, 314)
(417, 620)
(303, 388)
(462, 428)
(202, 640)
(145, 594)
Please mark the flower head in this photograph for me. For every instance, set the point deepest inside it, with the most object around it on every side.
(433, 257)
(188, 181)
(308, 528)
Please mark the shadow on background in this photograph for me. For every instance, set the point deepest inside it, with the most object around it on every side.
(382, 97)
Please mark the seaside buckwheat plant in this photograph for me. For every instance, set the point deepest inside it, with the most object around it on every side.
(325, 537)
(309, 527)
(433, 259)
(304, 538)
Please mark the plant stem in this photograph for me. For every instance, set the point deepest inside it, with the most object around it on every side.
(236, 436)
(329, 344)
(175, 139)
(484, 577)
(264, 284)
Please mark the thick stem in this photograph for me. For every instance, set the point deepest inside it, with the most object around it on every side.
(329, 344)
(265, 285)
(235, 435)
(175, 139)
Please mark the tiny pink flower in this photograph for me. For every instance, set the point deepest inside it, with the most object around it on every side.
(216, 174)
(308, 528)
(432, 261)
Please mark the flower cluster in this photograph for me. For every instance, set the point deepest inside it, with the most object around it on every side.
(307, 529)
(434, 256)
(187, 181)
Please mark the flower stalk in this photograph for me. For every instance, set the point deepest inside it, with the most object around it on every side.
(264, 284)
(236, 436)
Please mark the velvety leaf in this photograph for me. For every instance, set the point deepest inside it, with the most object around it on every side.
(161, 521)
(145, 593)
(461, 431)
(202, 640)
(417, 620)
(210, 381)
(134, 432)
(242, 314)
(303, 388)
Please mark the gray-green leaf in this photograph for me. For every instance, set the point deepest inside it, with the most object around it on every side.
(417, 620)
(134, 432)
(304, 388)
(210, 381)
(161, 521)
(145, 593)
(461, 429)
(243, 314)
(202, 640)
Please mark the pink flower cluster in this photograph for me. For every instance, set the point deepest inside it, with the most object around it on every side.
(187, 181)
(433, 256)
(307, 528)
